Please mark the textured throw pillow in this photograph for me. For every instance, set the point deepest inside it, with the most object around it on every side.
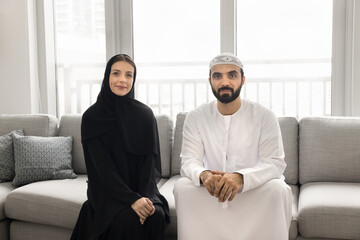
(7, 165)
(42, 158)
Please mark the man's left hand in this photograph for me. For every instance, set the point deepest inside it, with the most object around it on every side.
(229, 185)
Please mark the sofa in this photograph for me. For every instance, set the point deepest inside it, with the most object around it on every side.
(323, 171)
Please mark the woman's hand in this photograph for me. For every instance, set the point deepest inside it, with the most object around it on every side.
(143, 208)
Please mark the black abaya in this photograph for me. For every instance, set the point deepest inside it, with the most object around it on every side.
(122, 156)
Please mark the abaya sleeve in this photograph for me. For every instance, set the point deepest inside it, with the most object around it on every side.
(107, 174)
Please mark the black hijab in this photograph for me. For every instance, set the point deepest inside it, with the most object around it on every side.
(134, 121)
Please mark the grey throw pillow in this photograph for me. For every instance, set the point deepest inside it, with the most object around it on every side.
(7, 165)
(42, 158)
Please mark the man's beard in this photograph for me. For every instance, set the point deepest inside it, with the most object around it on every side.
(226, 98)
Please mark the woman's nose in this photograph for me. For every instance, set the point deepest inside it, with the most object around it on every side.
(121, 79)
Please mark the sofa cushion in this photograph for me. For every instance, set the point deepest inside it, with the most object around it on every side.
(70, 125)
(329, 210)
(175, 157)
(41, 158)
(167, 191)
(290, 133)
(7, 162)
(32, 124)
(54, 202)
(24, 231)
(5, 189)
(329, 149)
(293, 231)
(4, 229)
(165, 129)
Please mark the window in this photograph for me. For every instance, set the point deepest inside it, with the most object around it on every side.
(173, 43)
(285, 46)
(287, 54)
(80, 53)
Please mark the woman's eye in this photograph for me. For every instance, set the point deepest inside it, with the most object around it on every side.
(115, 73)
(129, 75)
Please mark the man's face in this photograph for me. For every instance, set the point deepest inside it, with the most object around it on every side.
(226, 82)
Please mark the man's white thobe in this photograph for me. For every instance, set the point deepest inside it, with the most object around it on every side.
(248, 142)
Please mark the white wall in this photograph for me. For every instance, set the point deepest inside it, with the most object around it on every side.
(18, 92)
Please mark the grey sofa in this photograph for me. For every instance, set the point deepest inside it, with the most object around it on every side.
(323, 170)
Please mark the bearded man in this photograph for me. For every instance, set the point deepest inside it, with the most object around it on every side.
(232, 166)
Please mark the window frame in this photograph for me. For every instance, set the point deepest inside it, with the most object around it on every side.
(345, 77)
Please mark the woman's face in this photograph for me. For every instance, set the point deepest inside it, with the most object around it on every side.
(121, 78)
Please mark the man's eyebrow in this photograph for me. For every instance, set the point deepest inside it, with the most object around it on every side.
(232, 72)
(216, 73)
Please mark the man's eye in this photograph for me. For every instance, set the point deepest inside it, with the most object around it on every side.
(216, 76)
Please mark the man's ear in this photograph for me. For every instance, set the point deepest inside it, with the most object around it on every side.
(243, 81)
(210, 81)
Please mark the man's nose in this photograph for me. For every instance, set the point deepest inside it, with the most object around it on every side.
(225, 81)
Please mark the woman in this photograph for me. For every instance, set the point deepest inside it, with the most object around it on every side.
(122, 156)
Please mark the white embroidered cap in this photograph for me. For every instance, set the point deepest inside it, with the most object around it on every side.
(226, 58)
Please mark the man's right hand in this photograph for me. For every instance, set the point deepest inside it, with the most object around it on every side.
(210, 180)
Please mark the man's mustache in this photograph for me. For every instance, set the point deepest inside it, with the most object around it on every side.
(225, 88)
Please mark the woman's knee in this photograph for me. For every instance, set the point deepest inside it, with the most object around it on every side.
(127, 217)
(158, 216)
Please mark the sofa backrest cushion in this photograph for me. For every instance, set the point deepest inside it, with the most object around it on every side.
(70, 125)
(290, 134)
(329, 149)
(289, 130)
(175, 157)
(166, 132)
(32, 124)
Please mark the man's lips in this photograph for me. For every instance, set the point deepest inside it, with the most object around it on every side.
(225, 91)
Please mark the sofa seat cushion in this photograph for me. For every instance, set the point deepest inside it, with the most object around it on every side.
(4, 229)
(329, 210)
(5, 189)
(54, 202)
(24, 230)
(167, 191)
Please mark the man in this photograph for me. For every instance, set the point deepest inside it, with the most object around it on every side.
(234, 148)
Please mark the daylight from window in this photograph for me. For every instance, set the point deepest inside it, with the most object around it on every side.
(286, 52)
(80, 53)
(173, 44)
